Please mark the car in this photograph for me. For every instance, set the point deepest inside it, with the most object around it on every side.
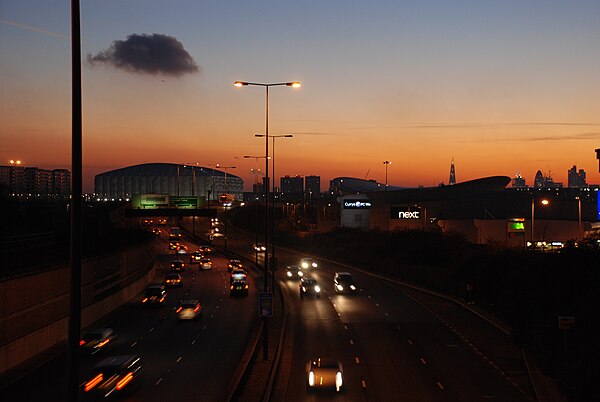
(173, 280)
(162, 221)
(173, 244)
(205, 264)
(344, 283)
(237, 274)
(177, 265)
(97, 340)
(147, 221)
(234, 264)
(306, 263)
(293, 272)
(259, 247)
(155, 294)
(189, 310)
(195, 257)
(205, 249)
(182, 249)
(114, 376)
(309, 286)
(324, 373)
(238, 287)
(156, 231)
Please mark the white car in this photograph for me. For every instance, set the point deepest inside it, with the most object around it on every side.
(324, 373)
(205, 263)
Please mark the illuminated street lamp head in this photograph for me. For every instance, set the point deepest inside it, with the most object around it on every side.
(239, 84)
(545, 202)
(294, 84)
(387, 163)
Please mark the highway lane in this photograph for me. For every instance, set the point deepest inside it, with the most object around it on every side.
(182, 360)
(392, 346)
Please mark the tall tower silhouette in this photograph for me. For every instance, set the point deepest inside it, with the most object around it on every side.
(452, 173)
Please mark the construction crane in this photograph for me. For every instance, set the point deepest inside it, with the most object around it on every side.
(367, 174)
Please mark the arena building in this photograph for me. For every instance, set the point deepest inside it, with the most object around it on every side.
(167, 178)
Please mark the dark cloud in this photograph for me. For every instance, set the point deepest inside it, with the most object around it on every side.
(147, 54)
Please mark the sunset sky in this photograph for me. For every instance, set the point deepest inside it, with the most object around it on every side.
(500, 86)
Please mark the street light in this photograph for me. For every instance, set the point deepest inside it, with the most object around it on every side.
(273, 137)
(293, 84)
(543, 202)
(226, 200)
(386, 163)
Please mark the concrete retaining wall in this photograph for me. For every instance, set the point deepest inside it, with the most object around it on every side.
(34, 308)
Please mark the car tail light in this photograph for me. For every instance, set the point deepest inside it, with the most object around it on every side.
(126, 380)
(81, 342)
(104, 342)
(311, 379)
(246, 287)
(145, 300)
(93, 382)
(197, 309)
(178, 309)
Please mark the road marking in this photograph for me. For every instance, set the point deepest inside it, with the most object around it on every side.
(410, 342)
(439, 384)
(159, 381)
(357, 360)
(387, 315)
(221, 299)
(212, 315)
(369, 297)
(133, 344)
(151, 329)
(377, 304)
(351, 342)
(194, 341)
(345, 327)
(217, 307)
(423, 361)
(180, 357)
(364, 383)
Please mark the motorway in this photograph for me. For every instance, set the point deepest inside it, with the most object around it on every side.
(394, 343)
(182, 360)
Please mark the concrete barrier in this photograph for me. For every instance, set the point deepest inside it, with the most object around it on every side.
(34, 308)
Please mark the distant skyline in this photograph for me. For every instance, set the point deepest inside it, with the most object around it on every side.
(502, 87)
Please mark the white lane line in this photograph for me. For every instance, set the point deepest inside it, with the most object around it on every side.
(423, 361)
(363, 383)
(212, 315)
(221, 299)
(439, 384)
(194, 341)
(133, 344)
(159, 381)
(377, 304)
(351, 342)
(345, 327)
(217, 307)
(151, 329)
(178, 360)
(204, 327)
(357, 360)
(387, 315)
(369, 297)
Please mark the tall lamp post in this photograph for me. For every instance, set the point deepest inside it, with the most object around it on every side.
(293, 84)
(226, 200)
(579, 221)
(543, 202)
(273, 261)
(386, 163)
(256, 173)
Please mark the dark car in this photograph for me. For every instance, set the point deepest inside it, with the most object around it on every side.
(238, 287)
(155, 295)
(344, 283)
(97, 340)
(177, 265)
(234, 264)
(195, 257)
(205, 249)
(309, 286)
(114, 377)
(293, 272)
(173, 280)
(324, 373)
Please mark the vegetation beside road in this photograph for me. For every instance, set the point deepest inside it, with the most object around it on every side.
(527, 290)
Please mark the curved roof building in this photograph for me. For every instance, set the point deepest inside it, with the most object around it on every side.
(167, 178)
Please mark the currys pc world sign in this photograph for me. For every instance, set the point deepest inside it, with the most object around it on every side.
(406, 213)
(357, 204)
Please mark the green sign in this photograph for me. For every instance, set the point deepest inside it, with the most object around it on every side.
(183, 201)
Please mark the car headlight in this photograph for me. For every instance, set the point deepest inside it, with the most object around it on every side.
(317, 288)
(340, 287)
(304, 265)
(314, 264)
(338, 381)
(311, 379)
(300, 273)
(289, 273)
(352, 287)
